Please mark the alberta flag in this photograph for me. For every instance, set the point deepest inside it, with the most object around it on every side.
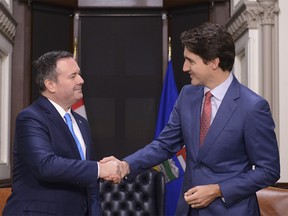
(173, 169)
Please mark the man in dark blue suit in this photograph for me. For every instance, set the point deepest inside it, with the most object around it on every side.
(49, 176)
(239, 154)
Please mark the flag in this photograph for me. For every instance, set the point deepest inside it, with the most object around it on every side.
(79, 108)
(173, 169)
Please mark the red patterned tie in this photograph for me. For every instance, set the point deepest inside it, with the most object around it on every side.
(205, 117)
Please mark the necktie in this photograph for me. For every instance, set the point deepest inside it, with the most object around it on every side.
(205, 117)
(69, 123)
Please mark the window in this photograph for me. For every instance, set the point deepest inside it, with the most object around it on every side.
(7, 33)
(5, 85)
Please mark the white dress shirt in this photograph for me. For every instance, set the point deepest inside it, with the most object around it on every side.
(218, 95)
(74, 123)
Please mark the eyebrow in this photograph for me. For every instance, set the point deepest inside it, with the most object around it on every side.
(74, 73)
(187, 58)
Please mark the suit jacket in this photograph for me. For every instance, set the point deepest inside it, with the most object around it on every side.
(49, 177)
(240, 152)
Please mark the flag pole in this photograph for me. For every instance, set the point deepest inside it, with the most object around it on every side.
(75, 36)
(169, 49)
(79, 106)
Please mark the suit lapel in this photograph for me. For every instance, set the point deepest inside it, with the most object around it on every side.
(52, 113)
(226, 110)
(57, 120)
(193, 121)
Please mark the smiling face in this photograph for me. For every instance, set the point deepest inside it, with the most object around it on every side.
(208, 73)
(200, 73)
(67, 88)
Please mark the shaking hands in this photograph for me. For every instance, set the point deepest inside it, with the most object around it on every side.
(112, 169)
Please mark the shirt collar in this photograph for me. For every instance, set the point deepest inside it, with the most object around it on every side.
(60, 110)
(220, 91)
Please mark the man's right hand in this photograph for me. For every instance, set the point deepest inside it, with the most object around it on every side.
(123, 169)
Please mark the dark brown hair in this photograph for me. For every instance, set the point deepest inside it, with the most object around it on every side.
(210, 41)
(45, 67)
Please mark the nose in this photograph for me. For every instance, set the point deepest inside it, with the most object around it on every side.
(81, 80)
(186, 67)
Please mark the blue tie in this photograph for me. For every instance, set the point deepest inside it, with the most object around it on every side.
(69, 123)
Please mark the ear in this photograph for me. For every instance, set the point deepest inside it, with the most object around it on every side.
(50, 85)
(215, 63)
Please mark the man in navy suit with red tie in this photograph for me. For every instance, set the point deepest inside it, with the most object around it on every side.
(49, 175)
(239, 154)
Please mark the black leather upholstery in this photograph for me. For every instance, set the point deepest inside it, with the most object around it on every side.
(142, 196)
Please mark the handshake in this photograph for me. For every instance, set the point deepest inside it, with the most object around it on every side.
(112, 169)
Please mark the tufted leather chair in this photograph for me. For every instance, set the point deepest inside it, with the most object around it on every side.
(273, 201)
(142, 196)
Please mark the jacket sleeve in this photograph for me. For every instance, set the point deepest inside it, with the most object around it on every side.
(44, 147)
(262, 149)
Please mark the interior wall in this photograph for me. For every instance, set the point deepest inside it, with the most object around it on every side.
(52, 29)
(183, 19)
(121, 63)
(283, 84)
